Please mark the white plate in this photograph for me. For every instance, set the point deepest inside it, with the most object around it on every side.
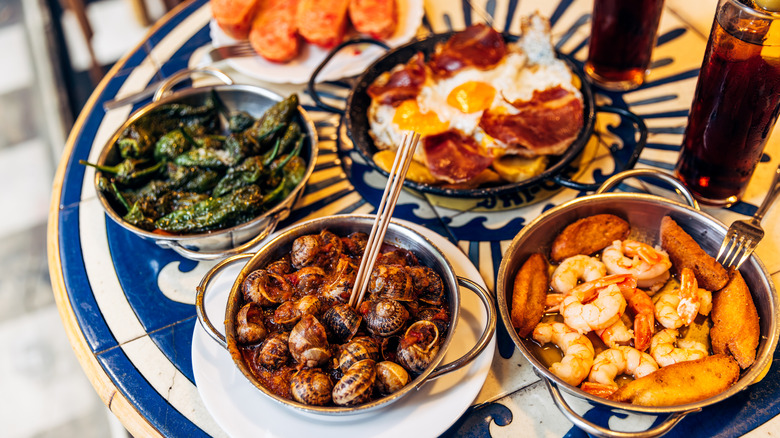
(348, 62)
(243, 411)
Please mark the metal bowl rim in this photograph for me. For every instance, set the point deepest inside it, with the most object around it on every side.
(286, 236)
(176, 96)
(756, 371)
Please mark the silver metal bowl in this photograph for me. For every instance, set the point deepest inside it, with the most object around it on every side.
(234, 240)
(397, 234)
(644, 212)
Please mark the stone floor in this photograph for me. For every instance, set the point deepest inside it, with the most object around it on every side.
(43, 390)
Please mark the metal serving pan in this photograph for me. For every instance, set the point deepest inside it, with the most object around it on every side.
(218, 243)
(552, 179)
(398, 235)
(644, 212)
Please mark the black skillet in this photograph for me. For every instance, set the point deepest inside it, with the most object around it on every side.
(357, 126)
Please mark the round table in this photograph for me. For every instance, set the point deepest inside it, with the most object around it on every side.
(127, 304)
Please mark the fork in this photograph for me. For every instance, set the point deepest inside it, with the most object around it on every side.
(238, 50)
(743, 235)
(216, 54)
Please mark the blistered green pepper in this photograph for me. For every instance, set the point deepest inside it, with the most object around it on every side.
(128, 172)
(214, 212)
(246, 173)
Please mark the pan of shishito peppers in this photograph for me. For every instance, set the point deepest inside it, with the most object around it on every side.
(207, 171)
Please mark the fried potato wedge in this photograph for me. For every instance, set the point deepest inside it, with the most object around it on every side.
(528, 294)
(684, 252)
(680, 383)
(588, 235)
(735, 328)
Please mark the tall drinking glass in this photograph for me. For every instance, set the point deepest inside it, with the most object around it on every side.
(736, 103)
(622, 36)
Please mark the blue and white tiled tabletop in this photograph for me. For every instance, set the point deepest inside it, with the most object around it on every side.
(128, 305)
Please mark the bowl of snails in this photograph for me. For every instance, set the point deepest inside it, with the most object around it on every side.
(617, 299)
(295, 334)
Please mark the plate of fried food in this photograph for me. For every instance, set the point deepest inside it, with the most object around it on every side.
(497, 113)
(616, 298)
(293, 37)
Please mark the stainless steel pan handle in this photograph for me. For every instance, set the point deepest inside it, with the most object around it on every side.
(200, 307)
(603, 432)
(487, 333)
(652, 173)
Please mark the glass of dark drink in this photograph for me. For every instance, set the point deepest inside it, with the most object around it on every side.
(736, 103)
(622, 37)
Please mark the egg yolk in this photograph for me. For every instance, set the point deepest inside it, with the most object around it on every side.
(409, 118)
(471, 97)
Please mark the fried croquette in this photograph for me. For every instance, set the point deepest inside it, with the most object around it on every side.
(588, 235)
(686, 253)
(680, 383)
(735, 328)
(528, 294)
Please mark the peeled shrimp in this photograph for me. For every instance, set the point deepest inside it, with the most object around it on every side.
(620, 360)
(585, 314)
(667, 305)
(617, 334)
(649, 265)
(573, 269)
(665, 353)
(577, 351)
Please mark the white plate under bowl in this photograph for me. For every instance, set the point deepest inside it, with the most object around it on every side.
(348, 62)
(243, 411)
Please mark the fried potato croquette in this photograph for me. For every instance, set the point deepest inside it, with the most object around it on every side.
(735, 328)
(528, 294)
(686, 253)
(588, 235)
(680, 383)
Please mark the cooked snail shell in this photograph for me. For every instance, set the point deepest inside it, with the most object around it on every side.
(427, 285)
(358, 349)
(419, 346)
(342, 281)
(437, 315)
(356, 385)
(390, 377)
(305, 250)
(311, 386)
(280, 267)
(274, 351)
(290, 312)
(308, 342)
(309, 279)
(355, 243)
(342, 322)
(250, 328)
(385, 317)
(389, 281)
(265, 288)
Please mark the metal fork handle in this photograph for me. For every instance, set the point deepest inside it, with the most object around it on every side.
(774, 190)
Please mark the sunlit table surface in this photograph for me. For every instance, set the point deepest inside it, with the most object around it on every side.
(128, 305)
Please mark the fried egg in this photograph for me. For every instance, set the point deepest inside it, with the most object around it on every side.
(459, 101)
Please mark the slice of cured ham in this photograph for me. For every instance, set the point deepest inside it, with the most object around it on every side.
(545, 125)
(454, 157)
(477, 46)
(400, 84)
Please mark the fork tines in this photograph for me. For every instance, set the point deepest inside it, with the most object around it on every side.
(735, 249)
(384, 213)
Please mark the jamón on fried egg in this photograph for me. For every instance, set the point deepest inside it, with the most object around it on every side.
(478, 99)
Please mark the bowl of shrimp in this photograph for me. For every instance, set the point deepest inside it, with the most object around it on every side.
(615, 298)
